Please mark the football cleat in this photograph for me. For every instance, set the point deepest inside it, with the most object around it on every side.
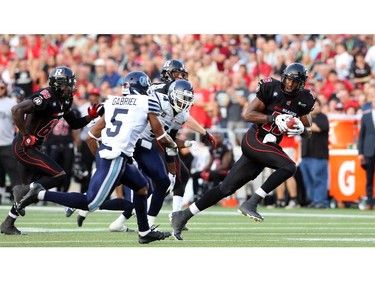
(185, 228)
(178, 221)
(152, 236)
(7, 227)
(31, 197)
(80, 220)
(116, 227)
(69, 211)
(19, 191)
(247, 211)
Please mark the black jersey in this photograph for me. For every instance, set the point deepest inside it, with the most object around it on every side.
(161, 87)
(276, 102)
(48, 110)
(62, 132)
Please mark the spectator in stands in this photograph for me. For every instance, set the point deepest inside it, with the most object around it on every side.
(7, 132)
(239, 94)
(343, 61)
(360, 70)
(353, 44)
(314, 164)
(327, 52)
(111, 74)
(19, 71)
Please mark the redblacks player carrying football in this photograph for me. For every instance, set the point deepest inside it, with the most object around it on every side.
(35, 118)
(275, 101)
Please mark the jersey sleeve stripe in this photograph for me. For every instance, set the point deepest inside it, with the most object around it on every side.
(153, 106)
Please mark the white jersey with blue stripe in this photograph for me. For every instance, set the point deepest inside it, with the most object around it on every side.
(167, 118)
(125, 119)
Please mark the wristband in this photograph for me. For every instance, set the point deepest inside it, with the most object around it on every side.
(161, 136)
(91, 135)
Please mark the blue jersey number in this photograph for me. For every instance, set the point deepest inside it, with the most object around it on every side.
(115, 122)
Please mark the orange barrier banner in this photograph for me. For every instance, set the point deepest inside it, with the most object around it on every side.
(347, 178)
(343, 131)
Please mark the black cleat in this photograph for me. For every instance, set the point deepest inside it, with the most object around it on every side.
(80, 220)
(178, 222)
(31, 197)
(250, 212)
(153, 235)
(19, 191)
(69, 211)
(7, 227)
(185, 228)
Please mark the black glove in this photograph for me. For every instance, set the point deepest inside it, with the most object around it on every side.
(209, 139)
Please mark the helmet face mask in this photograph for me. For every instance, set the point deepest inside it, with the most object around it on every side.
(181, 95)
(136, 82)
(293, 79)
(63, 81)
(173, 70)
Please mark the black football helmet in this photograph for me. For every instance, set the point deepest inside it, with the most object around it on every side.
(171, 69)
(296, 72)
(63, 81)
(18, 93)
(136, 82)
(181, 95)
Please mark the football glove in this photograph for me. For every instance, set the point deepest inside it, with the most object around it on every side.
(280, 121)
(95, 110)
(28, 140)
(205, 175)
(192, 144)
(298, 129)
(209, 139)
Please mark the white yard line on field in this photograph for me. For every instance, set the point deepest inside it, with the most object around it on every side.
(312, 214)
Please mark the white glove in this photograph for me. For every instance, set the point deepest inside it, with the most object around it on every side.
(172, 178)
(192, 144)
(171, 151)
(269, 138)
(280, 121)
(298, 129)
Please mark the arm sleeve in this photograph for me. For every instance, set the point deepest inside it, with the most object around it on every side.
(74, 121)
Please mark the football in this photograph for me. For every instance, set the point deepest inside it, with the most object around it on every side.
(290, 122)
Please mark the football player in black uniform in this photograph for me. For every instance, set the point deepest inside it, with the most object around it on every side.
(275, 102)
(35, 118)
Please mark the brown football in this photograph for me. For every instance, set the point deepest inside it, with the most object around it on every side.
(290, 122)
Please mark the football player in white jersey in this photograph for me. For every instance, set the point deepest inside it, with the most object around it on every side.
(120, 127)
(172, 71)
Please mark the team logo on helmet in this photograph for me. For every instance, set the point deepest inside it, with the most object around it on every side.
(37, 101)
(143, 81)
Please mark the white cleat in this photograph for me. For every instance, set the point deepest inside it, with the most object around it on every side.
(116, 227)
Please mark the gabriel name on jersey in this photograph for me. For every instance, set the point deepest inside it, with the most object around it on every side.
(124, 101)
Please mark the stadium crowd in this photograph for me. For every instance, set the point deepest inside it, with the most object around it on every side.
(223, 68)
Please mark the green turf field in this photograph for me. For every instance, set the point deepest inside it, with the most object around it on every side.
(216, 227)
